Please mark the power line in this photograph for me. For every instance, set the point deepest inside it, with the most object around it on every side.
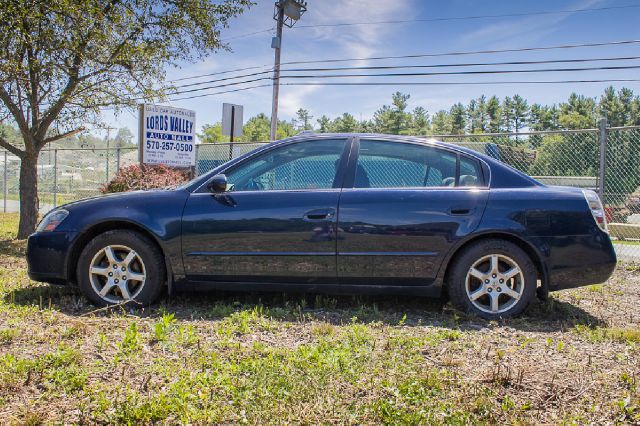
(470, 52)
(220, 73)
(424, 74)
(220, 93)
(416, 74)
(472, 64)
(266, 30)
(423, 55)
(179, 92)
(459, 83)
(473, 17)
(418, 83)
(438, 19)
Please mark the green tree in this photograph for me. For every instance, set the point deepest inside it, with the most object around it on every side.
(621, 108)
(577, 113)
(420, 125)
(212, 133)
(304, 118)
(441, 123)
(394, 119)
(477, 115)
(506, 120)
(366, 126)
(519, 112)
(458, 119)
(324, 124)
(258, 129)
(542, 118)
(494, 114)
(346, 123)
(62, 60)
(124, 137)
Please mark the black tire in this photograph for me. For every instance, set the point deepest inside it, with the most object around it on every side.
(148, 255)
(524, 284)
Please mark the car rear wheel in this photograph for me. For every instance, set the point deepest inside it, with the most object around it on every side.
(121, 266)
(492, 279)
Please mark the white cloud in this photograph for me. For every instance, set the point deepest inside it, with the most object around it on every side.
(357, 40)
(292, 98)
(524, 30)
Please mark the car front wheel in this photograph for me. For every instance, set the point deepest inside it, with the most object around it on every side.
(492, 279)
(121, 266)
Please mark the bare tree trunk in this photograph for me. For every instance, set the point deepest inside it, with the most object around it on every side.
(29, 203)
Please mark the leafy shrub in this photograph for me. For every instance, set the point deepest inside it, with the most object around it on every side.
(136, 177)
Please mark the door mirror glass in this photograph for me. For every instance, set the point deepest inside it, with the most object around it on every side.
(218, 184)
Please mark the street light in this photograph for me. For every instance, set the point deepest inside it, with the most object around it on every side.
(286, 12)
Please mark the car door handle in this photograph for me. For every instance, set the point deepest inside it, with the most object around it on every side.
(319, 214)
(460, 211)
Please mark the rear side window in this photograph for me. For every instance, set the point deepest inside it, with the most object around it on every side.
(388, 164)
(470, 174)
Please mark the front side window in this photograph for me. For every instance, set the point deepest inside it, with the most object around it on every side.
(298, 166)
(388, 164)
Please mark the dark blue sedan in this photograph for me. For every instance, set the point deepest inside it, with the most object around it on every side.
(337, 213)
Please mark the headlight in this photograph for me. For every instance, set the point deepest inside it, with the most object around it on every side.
(51, 221)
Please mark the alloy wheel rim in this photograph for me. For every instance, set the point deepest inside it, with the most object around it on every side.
(494, 283)
(117, 273)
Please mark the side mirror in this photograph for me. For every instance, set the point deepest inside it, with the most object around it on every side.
(218, 184)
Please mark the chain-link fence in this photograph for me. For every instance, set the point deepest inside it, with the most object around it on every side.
(606, 160)
(64, 174)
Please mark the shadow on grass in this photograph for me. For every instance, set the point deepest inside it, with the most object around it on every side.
(12, 248)
(548, 316)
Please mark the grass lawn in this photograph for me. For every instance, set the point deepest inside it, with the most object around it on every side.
(257, 358)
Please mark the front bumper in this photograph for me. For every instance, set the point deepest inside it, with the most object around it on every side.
(47, 256)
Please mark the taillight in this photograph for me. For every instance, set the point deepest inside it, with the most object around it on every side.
(597, 210)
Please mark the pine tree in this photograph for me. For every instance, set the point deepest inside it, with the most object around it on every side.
(494, 114)
(458, 119)
(304, 120)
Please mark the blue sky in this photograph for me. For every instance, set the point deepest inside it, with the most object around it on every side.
(413, 38)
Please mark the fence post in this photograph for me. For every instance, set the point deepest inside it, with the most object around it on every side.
(55, 178)
(602, 139)
(5, 190)
(117, 159)
(194, 169)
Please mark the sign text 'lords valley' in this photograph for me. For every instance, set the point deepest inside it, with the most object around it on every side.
(167, 135)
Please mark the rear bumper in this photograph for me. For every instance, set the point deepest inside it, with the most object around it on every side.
(577, 261)
(47, 256)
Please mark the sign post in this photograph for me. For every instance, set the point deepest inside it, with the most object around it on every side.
(167, 136)
(231, 123)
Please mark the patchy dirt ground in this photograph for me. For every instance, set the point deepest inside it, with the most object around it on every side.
(231, 358)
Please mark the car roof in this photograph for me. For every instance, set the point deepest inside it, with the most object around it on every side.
(309, 135)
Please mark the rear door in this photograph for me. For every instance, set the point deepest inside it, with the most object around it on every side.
(403, 206)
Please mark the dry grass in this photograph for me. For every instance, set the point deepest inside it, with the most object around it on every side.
(231, 358)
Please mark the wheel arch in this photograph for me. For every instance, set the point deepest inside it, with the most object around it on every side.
(96, 229)
(528, 248)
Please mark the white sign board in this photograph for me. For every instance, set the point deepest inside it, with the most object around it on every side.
(167, 136)
(232, 120)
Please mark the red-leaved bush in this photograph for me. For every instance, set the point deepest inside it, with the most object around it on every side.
(136, 177)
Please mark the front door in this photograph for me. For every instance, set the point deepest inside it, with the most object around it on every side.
(402, 208)
(276, 222)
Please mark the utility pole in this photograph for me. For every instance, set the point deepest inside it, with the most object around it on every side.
(287, 12)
